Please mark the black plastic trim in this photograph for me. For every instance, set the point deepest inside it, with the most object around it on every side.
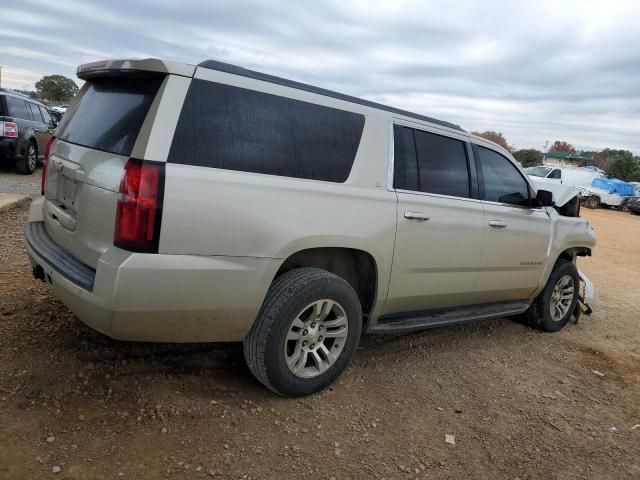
(236, 70)
(413, 321)
(58, 258)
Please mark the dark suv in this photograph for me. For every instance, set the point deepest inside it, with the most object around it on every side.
(26, 127)
(633, 205)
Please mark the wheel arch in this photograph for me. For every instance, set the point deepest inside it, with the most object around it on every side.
(357, 267)
(30, 140)
(571, 253)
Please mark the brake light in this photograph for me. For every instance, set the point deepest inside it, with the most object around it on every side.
(139, 210)
(47, 154)
(92, 65)
(9, 129)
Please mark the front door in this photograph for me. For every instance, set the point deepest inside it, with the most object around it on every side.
(517, 235)
(440, 228)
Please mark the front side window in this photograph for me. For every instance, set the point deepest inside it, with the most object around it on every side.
(556, 174)
(500, 181)
(430, 163)
(46, 117)
(232, 128)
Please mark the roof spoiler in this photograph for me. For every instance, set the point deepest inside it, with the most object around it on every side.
(105, 68)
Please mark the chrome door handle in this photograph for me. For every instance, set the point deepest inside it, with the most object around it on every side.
(497, 224)
(421, 217)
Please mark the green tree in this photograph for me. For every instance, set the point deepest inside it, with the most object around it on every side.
(528, 157)
(623, 165)
(56, 88)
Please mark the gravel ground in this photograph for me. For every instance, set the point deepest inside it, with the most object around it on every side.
(27, 184)
(520, 404)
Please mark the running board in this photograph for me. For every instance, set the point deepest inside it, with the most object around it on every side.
(412, 321)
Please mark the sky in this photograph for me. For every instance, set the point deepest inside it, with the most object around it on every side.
(536, 71)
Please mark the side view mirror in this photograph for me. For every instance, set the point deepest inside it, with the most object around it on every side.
(544, 198)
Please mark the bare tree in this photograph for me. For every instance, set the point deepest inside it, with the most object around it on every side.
(495, 137)
(562, 146)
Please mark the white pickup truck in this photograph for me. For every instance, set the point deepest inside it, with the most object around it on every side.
(593, 197)
(546, 176)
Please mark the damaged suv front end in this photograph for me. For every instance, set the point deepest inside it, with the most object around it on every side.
(565, 215)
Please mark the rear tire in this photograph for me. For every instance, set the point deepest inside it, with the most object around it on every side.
(592, 202)
(294, 310)
(553, 308)
(27, 164)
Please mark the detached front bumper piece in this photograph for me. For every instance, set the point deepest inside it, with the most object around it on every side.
(587, 297)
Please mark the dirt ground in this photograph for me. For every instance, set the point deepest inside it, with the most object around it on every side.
(521, 404)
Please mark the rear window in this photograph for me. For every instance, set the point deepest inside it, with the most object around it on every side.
(233, 128)
(17, 108)
(110, 113)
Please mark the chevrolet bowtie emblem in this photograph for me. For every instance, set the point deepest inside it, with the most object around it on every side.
(56, 166)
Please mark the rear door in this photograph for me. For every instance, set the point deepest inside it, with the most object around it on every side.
(94, 141)
(440, 224)
(517, 234)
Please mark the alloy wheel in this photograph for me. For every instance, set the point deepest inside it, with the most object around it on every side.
(561, 297)
(316, 338)
(31, 157)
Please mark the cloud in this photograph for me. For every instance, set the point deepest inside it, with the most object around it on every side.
(536, 71)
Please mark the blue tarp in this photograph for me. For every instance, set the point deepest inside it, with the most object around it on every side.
(613, 185)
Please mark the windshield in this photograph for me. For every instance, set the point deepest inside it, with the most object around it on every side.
(538, 171)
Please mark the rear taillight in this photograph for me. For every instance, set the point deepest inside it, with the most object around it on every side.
(139, 209)
(9, 129)
(47, 154)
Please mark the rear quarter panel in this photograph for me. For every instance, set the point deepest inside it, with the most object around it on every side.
(216, 212)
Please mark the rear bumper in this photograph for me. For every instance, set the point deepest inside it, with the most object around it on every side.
(8, 147)
(155, 297)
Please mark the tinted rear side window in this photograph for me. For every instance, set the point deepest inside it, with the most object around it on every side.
(430, 163)
(18, 108)
(405, 162)
(35, 112)
(233, 128)
(443, 164)
(110, 113)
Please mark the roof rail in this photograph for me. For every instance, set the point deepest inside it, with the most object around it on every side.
(236, 70)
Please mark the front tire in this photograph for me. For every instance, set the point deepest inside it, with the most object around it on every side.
(306, 332)
(592, 202)
(553, 308)
(27, 164)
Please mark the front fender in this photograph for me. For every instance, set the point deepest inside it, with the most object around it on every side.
(567, 235)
